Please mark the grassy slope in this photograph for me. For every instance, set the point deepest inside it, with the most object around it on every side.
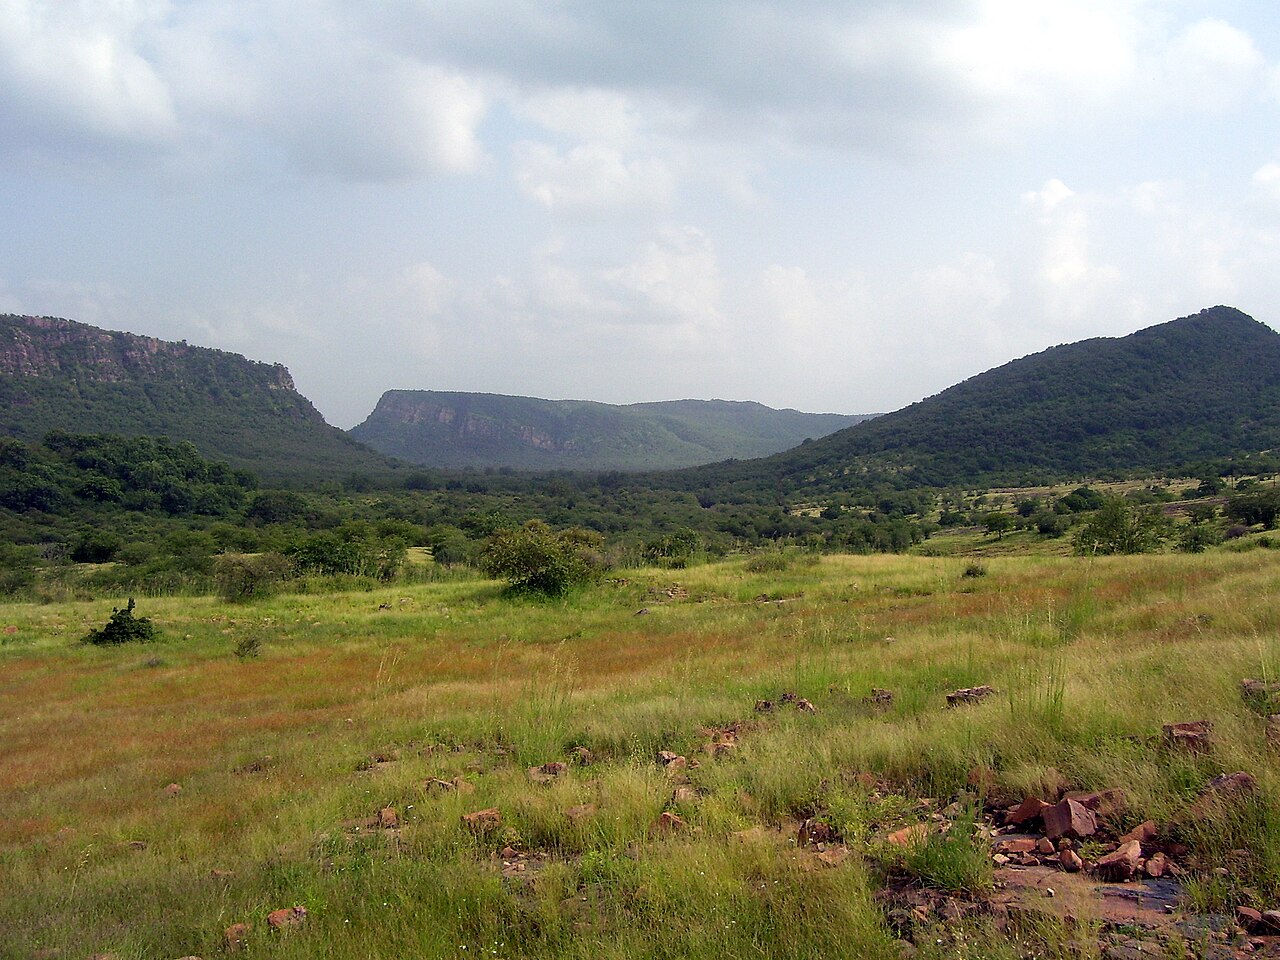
(1087, 655)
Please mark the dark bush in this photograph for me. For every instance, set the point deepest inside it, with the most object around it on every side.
(123, 627)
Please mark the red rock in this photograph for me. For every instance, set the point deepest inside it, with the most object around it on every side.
(1070, 861)
(1222, 790)
(582, 756)
(816, 831)
(1020, 845)
(11, 629)
(764, 706)
(1069, 818)
(805, 706)
(1248, 918)
(722, 748)
(217, 874)
(1192, 736)
(236, 936)
(482, 821)
(666, 758)
(508, 853)
(1025, 812)
(1156, 866)
(1105, 803)
(834, 856)
(581, 812)
(1121, 864)
(388, 819)
(1271, 920)
(548, 771)
(1258, 689)
(286, 918)
(172, 790)
(668, 823)
(909, 836)
(1144, 832)
(1273, 730)
(684, 794)
(1045, 845)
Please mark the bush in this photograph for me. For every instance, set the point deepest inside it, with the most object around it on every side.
(541, 560)
(1120, 528)
(244, 577)
(673, 550)
(123, 627)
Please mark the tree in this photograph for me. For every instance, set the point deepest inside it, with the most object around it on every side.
(1118, 527)
(536, 558)
(998, 523)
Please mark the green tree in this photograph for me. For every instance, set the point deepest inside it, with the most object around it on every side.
(535, 558)
(1118, 527)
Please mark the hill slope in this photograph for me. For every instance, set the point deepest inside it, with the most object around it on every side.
(1203, 387)
(60, 374)
(448, 429)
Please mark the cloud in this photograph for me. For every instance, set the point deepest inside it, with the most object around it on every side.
(1212, 65)
(591, 177)
(1266, 181)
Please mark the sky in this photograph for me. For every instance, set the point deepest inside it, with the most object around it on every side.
(832, 206)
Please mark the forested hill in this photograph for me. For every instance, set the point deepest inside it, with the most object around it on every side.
(64, 375)
(473, 430)
(1201, 388)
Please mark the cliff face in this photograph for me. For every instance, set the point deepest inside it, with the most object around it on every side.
(457, 430)
(61, 374)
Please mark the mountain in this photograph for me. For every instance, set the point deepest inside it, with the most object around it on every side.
(469, 430)
(1200, 388)
(64, 375)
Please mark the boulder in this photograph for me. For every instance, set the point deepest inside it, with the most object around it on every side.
(1249, 918)
(1193, 736)
(581, 812)
(1025, 812)
(482, 821)
(286, 918)
(1070, 861)
(1069, 818)
(548, 772)
(813, 832)
(236, 936)
(388, 819)
(1157, 865)
(909, 836)
(1273, 730)
(1120, 864)
(668, 823)
(172, 790)
(582, 756)
(1018, 845)
(1144, 832)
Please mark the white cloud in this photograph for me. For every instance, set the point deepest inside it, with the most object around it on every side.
(591, 177)
(1212, 65)
(676, 277)
(1266, 180)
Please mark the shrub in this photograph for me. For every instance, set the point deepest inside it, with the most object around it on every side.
(244, 577)
(975, 570)
(1118, 527)
(536, 558)
(123, 627)
(673, 550)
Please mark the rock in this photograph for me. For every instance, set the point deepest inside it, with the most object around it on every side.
(1255, 690)
(286, 918)
(879, 698)
(909, 836)
(582, 756)
(1271, 921)
(256, 766)
(482, 821)
(1121, 864)
(508, 853)
(1069, 818)
(834, 856)
(642, 612)
(1070, 861)
(1156, 866)
(1144, 832)
(668, 823)
(1273, 730)
(1104, 803)
(1248, 918)
(764, 706)
(816, 831)
(969, 695)
(236, 936)
(1192, 736)
(1045, 846)
(684, 794)
(548, 771)
(216, 874)
(672, 761)
(804, 706)
(172, 790)
(1020, 845)
(388, 819)
(582, 811)
(1223, 790)
(1025, 812)
(436, 785)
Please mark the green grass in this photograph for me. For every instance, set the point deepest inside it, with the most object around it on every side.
(1089, 659)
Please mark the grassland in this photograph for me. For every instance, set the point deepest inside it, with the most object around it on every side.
(354, 701)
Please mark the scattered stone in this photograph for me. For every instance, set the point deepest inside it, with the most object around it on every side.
(1144, 832)
(1248, 918)
(216, 874)
(1045, 846)
(1104, 803)
(969, 695)
(236, 936)
(1025, 812)
(642, 612)
(1018, 845)
(669, 822)
(1069, 818)
(137, 845)
(286, 918)
(720, 748)
(909, 836)
(1271, 921)
(256, 766)
(1070, 861)
(388, 819)
(805, 706)
(548, 771)
(764, 706)
(1254, 690)
(672, 761)
(1192, 736)
(1273, 730)
(1224, 789)
(582, 756)
(1120, 864)
(482, 821)
(834, 856)
(172, 790)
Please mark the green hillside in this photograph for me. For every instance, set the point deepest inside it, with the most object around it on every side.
(474, 430)
(63, 375)
(1202, 388)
